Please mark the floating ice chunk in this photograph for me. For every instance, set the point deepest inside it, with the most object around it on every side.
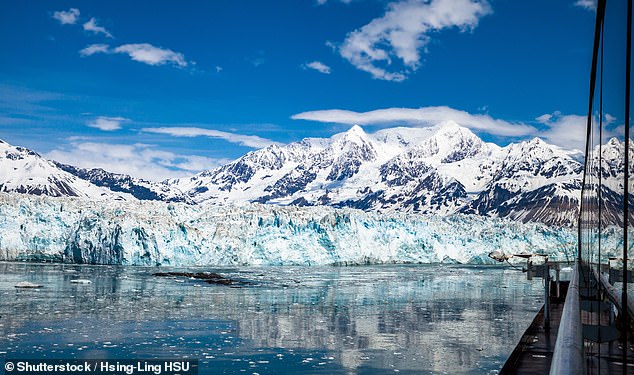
(28, 285)
(80, 281)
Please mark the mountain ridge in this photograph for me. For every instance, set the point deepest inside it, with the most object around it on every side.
(440, 170)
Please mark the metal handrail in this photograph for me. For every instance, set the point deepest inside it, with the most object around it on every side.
(614, 294)
(568, 354)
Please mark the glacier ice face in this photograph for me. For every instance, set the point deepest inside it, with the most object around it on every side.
(159, 233)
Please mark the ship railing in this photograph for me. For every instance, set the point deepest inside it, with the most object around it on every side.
(568, 357)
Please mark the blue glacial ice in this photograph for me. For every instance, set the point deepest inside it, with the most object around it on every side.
(156, 233)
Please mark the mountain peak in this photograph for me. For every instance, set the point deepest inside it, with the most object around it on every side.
(25, 171)
(536, 141)
(535, 147)
(451, 127)
(356, 129)
(449, 124)
(355, 134)
(425, 169)
(613, 142)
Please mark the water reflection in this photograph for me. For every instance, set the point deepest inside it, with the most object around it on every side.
(384, 319)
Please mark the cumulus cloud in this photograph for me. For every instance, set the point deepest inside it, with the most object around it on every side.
(92, 26)
(141, 52)
(426, 116)
(544, 118)
(252, 141)
(318, 66)
(94, 48)
(106, 123)
(404, 31)
(151, 55)
(587, 4)
(568, 131)
(137, 160)
(68, 17)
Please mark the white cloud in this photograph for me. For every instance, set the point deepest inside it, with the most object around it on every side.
(403, 31)
(322, 2)
(568, 131)
(252, 141)
(426, 116)
(92, 26)
(256, 62)
(587, 4)
(94, 48)
(318, 66)
(68, 17)
(151, 55)
(544, 118)
(106, 123)
(137, 160)
(142, 52)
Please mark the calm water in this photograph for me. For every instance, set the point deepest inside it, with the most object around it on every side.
(322, 320)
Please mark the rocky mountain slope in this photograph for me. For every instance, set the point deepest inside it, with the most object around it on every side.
(24, 171)
(139, 188)
(441, 170)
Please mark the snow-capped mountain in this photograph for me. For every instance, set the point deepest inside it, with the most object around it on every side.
(442, 169)
(344, 169)
(533, 181)
(139, 188)
(24, 171)
(611, 170)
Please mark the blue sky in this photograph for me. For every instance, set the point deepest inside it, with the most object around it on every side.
(164, 89)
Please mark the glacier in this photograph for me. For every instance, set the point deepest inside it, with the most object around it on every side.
(152, 233)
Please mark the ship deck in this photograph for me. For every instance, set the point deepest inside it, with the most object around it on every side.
(534, 352)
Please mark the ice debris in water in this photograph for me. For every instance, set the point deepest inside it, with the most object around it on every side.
(80, 281)
(27, 285)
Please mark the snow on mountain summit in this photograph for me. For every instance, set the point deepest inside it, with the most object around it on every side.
(439, 169)
(24, 171)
